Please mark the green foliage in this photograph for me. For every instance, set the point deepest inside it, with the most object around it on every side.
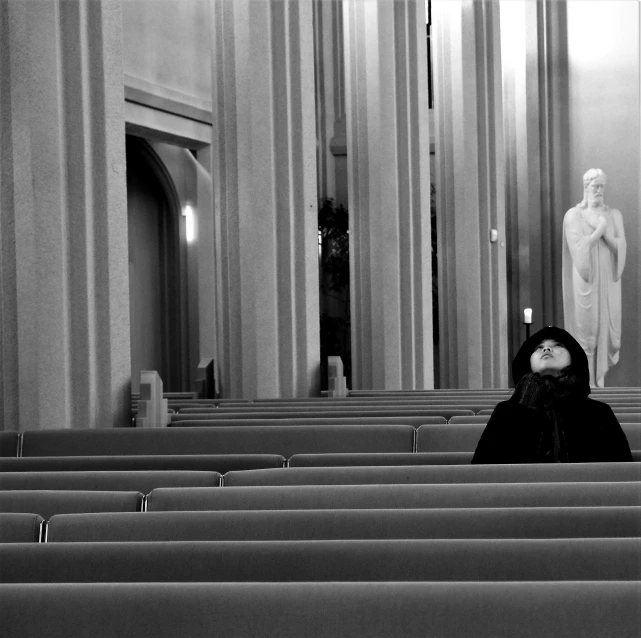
(335, 334)
(333, 224)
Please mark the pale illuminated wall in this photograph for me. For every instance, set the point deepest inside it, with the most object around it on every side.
(166, 48)
(603, 56)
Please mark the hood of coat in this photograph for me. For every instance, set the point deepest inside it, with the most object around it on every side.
(579, 365)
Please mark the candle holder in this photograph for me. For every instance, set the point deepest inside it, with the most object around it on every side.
(527, 320)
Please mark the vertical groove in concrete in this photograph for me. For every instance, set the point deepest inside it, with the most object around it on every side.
(470, 194)
(65, 290)
(264, 180)
(535, 81)
(389, 194)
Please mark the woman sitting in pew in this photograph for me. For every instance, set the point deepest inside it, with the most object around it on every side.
(549, 418)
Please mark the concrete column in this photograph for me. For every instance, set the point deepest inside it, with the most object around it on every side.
(535, 85)
(389, 193)
(265, 195)
(470, 191)
(64, 316)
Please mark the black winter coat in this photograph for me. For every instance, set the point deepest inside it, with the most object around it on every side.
(590, 429)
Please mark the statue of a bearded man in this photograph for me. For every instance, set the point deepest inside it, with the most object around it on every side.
(594, 250)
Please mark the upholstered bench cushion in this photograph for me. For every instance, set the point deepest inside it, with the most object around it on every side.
(337, 560)
(250, 439)
(46, 503)
(282, 497)
(203, 462)
(432, 414)
(238, 420)
(140, 481)
(542, 522)
(477, 418)
(19, 527)
(447, 610)
(381, 458)
(537, 473)
(8, 443)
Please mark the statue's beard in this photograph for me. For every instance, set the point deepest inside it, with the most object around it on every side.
(595, 200)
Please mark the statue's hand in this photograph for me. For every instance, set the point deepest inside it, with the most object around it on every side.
(599, 223)
(594, 220)
(608, 233)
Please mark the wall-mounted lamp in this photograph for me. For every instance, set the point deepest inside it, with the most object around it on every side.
(190, 231)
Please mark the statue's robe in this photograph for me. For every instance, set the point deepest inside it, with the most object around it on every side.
(592, 290)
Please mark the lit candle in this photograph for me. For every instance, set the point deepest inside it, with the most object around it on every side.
(527, 315)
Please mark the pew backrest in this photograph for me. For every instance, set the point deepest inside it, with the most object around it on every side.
(47, 503)
(250, 439)
(380, 458)
(220, 463)
(112, 481)
(408, 496)
(535, 472)
(9, 443)
(20, 527)
(377, 610)
(442, 560)
(252, 525)
(206, 420)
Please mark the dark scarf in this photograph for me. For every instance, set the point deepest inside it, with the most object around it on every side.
(550, 397)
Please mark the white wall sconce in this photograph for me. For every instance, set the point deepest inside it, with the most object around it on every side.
(190, 230)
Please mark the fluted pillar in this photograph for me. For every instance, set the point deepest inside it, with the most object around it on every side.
(470, 161)
(64, 314)
(389, 193)
(535, 83)
(264, 177)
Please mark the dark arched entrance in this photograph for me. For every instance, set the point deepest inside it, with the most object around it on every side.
(153, 212)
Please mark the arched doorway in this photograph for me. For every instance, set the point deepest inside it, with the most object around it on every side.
(155, 300)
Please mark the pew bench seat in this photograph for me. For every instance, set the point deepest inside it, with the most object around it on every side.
(248, 439)
(220, 463)
(300, 420)
(47, 503)
(614, 559)
(294, 497)
(535, 472)
(380, 458)
(517, 522)
(113, 481)
(446, 610)
(20, 527)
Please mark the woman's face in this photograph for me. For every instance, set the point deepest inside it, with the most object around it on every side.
(550, 357)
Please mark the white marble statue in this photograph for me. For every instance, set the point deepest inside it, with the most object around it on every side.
(593, 259)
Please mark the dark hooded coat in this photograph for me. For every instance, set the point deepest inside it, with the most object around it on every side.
(551, 419)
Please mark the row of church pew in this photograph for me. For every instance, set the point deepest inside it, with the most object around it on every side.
(198, 491)
(279, 439)
(355, 523)
(48, 503)
(323, 545)
(436, 402)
